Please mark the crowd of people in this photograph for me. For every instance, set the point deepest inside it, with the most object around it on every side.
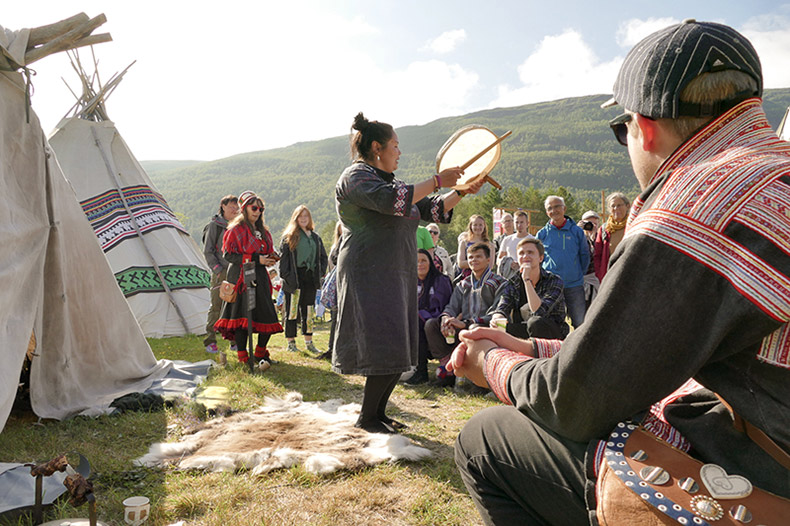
(515, 282)
(667, 296)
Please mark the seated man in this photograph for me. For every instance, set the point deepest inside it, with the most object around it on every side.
(470, 304)
(699, 288)
(532, 303)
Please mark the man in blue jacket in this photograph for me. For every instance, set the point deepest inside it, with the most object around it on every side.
(567, 255)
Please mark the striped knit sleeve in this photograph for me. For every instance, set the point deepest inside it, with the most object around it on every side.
(546, 348)
(498, 365)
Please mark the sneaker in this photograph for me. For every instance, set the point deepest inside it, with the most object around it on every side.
(292, 347)
(443, 378)
(233, 347)
(212, 348)
(408, 374)
(312, 348)
(325, 356)
(222, 360)
(419, 377)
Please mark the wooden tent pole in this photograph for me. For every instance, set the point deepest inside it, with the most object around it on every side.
(137, 229)
(76, 37)
(603, 205)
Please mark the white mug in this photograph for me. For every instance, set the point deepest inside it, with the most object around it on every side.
(136, 510)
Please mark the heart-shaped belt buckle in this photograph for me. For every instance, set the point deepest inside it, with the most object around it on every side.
(723, 486)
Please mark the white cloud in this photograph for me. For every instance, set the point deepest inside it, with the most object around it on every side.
(562, 66)
(447, 41)
(428, 90)
(632, 31)
(770, 36)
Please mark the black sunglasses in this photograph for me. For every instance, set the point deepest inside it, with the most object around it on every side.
(255, 208)
(618, 126)
(435, 232)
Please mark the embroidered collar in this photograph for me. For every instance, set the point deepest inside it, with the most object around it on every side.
(743, 126)
(387, 176)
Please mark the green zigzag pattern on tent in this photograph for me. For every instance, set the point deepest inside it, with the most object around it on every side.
(134, 280)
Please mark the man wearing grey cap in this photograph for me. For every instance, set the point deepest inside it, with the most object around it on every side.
(696, 302)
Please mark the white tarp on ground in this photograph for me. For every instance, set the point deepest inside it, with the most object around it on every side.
(56, 281)
(111, 185)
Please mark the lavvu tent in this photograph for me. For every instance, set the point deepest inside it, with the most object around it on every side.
(158, 265)
(56, 284)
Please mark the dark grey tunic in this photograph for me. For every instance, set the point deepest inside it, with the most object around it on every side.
(377, 271)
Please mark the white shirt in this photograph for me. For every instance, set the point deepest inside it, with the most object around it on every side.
(510, 243)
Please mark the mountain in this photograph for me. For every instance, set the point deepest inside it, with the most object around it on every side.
(565, 143)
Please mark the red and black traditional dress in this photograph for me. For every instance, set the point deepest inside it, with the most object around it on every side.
(240, 245)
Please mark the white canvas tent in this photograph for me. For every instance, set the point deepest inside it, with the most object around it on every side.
(159, 267)
(54, 278)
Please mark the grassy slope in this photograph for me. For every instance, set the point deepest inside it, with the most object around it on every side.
(427, 493)
(559, 143)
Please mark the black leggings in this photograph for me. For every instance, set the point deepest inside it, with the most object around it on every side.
(241, 339)
(307, 293)
(377, 393)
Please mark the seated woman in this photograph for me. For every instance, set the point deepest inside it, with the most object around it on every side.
(433, 293)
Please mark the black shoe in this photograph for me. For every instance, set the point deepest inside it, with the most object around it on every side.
(325, 356)
(375, 426)
(394, 424)
(447, 381)
(419, 377)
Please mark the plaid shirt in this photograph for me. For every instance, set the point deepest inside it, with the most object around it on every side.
(549, 289)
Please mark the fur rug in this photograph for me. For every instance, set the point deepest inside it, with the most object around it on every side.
(281, 434)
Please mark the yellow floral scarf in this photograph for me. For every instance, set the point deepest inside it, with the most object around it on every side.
(613, 226)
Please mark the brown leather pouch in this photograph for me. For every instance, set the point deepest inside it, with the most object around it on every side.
(644, 480)
(227, 292)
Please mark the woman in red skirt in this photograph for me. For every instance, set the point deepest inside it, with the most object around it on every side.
(248, 240)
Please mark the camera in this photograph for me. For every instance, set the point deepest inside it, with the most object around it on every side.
(588, 225)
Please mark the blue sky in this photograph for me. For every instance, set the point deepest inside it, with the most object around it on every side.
(213, 79)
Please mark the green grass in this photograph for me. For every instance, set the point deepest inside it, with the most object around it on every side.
(425, 493)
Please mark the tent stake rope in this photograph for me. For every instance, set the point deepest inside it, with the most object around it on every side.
(137, 230)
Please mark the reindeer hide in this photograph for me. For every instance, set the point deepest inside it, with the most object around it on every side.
(283, 433)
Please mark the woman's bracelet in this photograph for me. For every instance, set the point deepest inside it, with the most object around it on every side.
(459, 193)
(437, 182)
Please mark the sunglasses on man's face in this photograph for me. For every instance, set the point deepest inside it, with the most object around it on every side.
(434, 232)
(255, 208)
(620, 128)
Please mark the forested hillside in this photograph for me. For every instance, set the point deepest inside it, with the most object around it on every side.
(560, 146)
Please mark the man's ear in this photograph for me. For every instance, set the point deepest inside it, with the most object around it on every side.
(656, 136)
(648, 132)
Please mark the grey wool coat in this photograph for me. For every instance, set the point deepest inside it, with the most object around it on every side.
(377, 271)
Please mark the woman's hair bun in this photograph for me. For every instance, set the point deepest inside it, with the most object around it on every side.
(360, 122)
